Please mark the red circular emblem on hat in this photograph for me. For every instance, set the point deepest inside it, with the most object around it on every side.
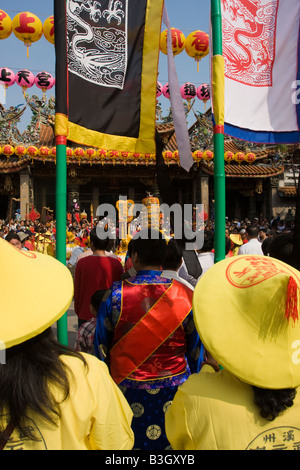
(257, 270)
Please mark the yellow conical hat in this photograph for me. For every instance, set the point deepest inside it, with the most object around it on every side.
(246, 312)
(36, 290)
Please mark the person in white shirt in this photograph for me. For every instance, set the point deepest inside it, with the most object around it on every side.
(253, 247)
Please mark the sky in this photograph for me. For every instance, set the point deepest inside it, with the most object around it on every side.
(187, 16)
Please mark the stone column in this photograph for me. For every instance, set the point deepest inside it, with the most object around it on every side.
(24, 194)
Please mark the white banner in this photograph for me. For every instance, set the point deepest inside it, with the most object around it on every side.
(261, 48)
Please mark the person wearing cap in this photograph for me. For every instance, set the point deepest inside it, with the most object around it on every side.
(249, 324)
(253, 247)
(51, 397)
(236, 241)
(145, 332)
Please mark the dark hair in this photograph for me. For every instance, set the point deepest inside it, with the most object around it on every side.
(265, 246)
(281, 247)
(150, 247)
(273, 402)
(99, 243)
(227, 245)
(173, 256)
(252, 231)
(96, 298)
(208, 242)
(27, 379)
(12, 236)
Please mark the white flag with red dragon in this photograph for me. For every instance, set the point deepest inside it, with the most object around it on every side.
(261, 48)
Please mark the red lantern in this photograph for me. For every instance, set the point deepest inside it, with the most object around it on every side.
(239, 157)
(250, 157)
(178, 41)
(208, 155)
(228, 156)
(197, 45)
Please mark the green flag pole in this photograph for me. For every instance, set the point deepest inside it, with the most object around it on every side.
(61, 217)
(218, 105)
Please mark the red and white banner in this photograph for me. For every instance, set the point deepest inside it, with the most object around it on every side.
(261, 49)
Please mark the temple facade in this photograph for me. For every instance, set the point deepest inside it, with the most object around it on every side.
(262, 186)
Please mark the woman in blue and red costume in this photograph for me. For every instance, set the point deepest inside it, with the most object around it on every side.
(146, 334)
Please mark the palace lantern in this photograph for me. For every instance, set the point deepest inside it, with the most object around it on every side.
(78, 153)
(8, 150)
(239, 157)
(167, 156)
(52, 153)
(208, 155)
(102, 154)
(69, 152)
(159, 89)
(44, 81)
(178, 41)
(5, 25)
(250, 157)
(44, 152)
(25, 79)
(197, 45)
(48, 29)
(27, 27)
(136, 156)
(32, 151)
(228, 156)
(20, 151)
(203, 92)
(188, 91)
(166, 91)
(197, 156)
(7, 77)
(124, 156)
(175, 156)
(90, 153)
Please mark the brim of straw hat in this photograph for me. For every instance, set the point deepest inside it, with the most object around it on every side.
(36, 291)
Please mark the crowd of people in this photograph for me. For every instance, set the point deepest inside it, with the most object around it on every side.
(173, 350)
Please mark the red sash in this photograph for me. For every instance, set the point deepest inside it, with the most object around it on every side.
(151, 331)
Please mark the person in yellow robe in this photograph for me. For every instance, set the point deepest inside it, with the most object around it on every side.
(51, 397)
(247, 315)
